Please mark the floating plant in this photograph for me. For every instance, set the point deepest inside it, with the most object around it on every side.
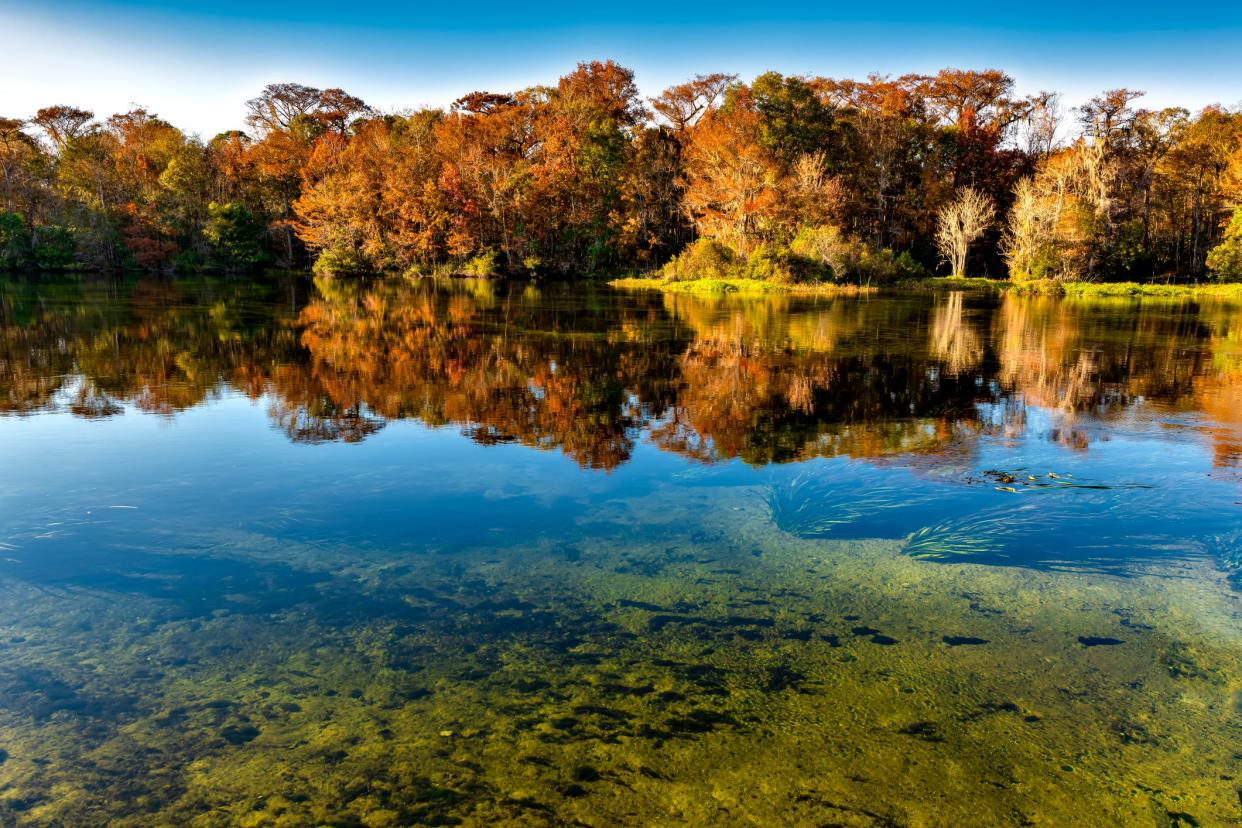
(1023, 480)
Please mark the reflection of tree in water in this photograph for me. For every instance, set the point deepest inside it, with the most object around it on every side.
(93, 345)
(954, 340)
(512, 369)
(822, 381)
(913, 379)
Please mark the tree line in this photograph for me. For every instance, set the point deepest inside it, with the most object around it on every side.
(784, 178)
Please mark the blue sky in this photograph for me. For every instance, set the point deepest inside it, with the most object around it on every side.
(195, 63)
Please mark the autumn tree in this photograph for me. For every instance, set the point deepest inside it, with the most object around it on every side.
(280, 105)
(62, 123)
(731, 179)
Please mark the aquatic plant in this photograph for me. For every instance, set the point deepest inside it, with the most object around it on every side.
(976, 535)
(816, 503)
(1226, 549)
(1034, 535)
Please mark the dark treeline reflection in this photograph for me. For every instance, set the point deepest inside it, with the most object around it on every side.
(589, 372)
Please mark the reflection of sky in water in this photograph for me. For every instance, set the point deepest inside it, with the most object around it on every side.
(1141, 491)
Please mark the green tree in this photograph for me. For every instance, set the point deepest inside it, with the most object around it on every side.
(234, 235)
(793, 120)
(13, 240)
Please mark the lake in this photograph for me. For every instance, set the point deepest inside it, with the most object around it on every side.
(394, 552)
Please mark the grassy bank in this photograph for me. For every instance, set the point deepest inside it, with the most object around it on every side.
(756, 287)
(750, 287)
(954, 283)
(1231, 291)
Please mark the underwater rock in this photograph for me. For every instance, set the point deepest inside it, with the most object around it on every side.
(783, 678)
(1226, 549)
(927, 731)
(586, 773)
(700, 721)
(240, 735)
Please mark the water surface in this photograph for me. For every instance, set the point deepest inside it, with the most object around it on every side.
(390, 552)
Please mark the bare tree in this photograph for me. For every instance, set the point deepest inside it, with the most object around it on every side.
(1030, 230)
(1038, 128)
(961, 222)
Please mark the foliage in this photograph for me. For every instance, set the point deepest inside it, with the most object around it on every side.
(703, 259)
(482, 264)
(849, 260)
(737, 285)
(54, 247)
(1225, 260)
(1121, 289)
(234, 234)
(828, 246)
(339, 260)
(14, 241)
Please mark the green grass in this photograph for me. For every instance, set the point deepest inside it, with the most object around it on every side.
(1042, 287)
(1125, 289)
(954, 283)
(749, 287)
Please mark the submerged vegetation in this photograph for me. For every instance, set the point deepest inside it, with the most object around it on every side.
(783, 179)
(649, 678)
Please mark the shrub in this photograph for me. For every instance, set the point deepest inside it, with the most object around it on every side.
(884, 267)
(704, 259)
(779, 266)
(845, 259)
(482, 264)
(339, 260)
(831, 249)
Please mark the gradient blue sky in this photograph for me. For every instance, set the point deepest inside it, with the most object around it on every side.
(195, 63)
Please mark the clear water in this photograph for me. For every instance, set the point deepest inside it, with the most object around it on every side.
(392, 553)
